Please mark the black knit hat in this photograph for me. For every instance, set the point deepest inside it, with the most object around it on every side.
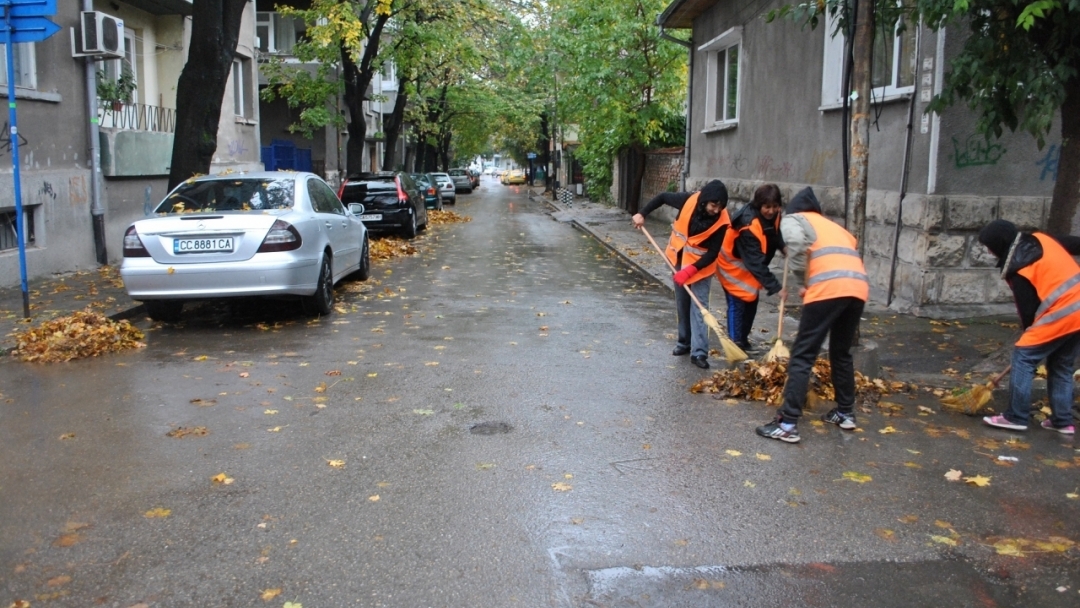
(714, 192)
(998, 236)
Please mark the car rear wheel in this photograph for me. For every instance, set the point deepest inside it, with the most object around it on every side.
(410, 230)
(165, 311)
(322, 301)
(364, 271)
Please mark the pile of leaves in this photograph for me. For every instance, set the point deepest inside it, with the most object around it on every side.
(436, 217)
(389, 247)
(81, 334)
(755, 381)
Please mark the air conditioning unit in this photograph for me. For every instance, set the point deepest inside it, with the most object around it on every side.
(101, 35)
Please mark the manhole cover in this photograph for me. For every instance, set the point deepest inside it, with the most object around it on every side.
(490, 428)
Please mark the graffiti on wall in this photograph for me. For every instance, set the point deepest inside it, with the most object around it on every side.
(976, 151)
(1049, 163)
(77, 190)
(5, 139)
(237, 148)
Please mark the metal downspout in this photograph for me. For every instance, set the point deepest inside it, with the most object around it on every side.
(689, 102)
(904, 175)
(97, 212)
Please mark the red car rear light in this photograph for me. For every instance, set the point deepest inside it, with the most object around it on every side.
(431, 191)
(133, 245)
(401, 196)
(282, 236)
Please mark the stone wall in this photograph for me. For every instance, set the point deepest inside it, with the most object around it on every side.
(941, 268)
(663, 173)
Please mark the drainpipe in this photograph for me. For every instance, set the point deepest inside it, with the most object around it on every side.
(689, 102)
(97, 213)
(904, 174)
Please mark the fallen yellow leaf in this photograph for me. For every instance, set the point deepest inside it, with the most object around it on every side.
(857, 477)
(374, 498)
(337, 464)
(953, 475)
(978, 480)
(157, 512)
(887, 430)
(733, 452)
(945, 540)
(270, 594)
(763, 456)
(561, 487)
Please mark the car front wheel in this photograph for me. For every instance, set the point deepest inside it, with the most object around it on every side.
(322, 301)
(364, 271)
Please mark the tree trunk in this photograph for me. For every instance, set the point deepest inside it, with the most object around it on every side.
(863, 45)
(357, 78)
(215, 29)
(631, 172)
(1062, 218)
(392, 127)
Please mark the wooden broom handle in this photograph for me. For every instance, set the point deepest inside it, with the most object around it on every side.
(996, 379)
(783, 290)
(672, 267)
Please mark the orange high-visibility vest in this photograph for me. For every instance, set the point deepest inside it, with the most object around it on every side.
(730, 270)
(1056, 277)
(834, 268)
(691, 246)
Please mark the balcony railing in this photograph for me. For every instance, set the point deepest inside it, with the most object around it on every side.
(136, 117)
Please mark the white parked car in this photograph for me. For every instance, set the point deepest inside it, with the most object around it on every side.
(249, 234)
(446, 188)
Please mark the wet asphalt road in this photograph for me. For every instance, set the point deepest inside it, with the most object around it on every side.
(514, 432)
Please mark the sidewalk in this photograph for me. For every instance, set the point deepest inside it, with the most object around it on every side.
(907, 348)
(101, 290)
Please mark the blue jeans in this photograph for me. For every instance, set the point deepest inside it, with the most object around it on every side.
(740, 318)
(1060, 355)
(692, 329)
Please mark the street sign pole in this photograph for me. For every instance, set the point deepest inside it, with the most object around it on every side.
(24, 21)
(20, 229)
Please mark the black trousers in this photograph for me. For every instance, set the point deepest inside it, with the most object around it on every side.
(838, 319)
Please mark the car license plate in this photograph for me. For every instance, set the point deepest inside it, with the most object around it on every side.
(371, 217)
(205, 245)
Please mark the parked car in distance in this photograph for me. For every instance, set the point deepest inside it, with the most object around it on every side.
(462, 180)
(517, 176)
(474, 174)
(392, 201)
(251, 234)
(446, 187)
(427, 183)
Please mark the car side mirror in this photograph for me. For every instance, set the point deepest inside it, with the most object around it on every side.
(356, 208)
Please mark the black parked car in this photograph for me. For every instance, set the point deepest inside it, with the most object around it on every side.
(392, 201)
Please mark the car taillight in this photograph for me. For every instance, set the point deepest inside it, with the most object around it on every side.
(133, 246)
(282, 237)
(401, 196)
(341, 189)
(431, 191)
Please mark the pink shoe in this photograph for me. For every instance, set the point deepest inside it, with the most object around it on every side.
(1068, 429)
(1002, 422)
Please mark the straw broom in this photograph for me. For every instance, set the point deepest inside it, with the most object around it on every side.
(972, 401)
(732, 352)
(778, 350)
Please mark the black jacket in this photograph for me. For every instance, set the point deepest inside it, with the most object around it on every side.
(699, 222)
(748, 247)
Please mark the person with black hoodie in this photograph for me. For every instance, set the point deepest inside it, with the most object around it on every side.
(743, 265)
(696, 237)
(1045, 281)
(836, 289)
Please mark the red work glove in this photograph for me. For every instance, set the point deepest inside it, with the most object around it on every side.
(684, 275)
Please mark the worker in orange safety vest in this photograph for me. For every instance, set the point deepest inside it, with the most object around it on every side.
(696, 237)
(1045, 281)
(743, 264)
(836, 290)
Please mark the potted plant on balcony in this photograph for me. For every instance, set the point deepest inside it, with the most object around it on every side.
(115, 92)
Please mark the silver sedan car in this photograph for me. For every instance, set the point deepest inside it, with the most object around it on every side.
(245, 234)
(446, 188)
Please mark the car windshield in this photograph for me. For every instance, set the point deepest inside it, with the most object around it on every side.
(246, 194)
(458, 172)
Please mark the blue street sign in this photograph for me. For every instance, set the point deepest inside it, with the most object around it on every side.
(530, 155)
(31, 8)
(28, 29)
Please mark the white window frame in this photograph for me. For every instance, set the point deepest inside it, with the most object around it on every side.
(272, 20)
(240, 82)
(717, 52)
(25, 65)
(832, 76)
(113, 68)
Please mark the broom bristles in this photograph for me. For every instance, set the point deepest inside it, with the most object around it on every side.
(732, 352)
(778, 351)
(971, 402)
